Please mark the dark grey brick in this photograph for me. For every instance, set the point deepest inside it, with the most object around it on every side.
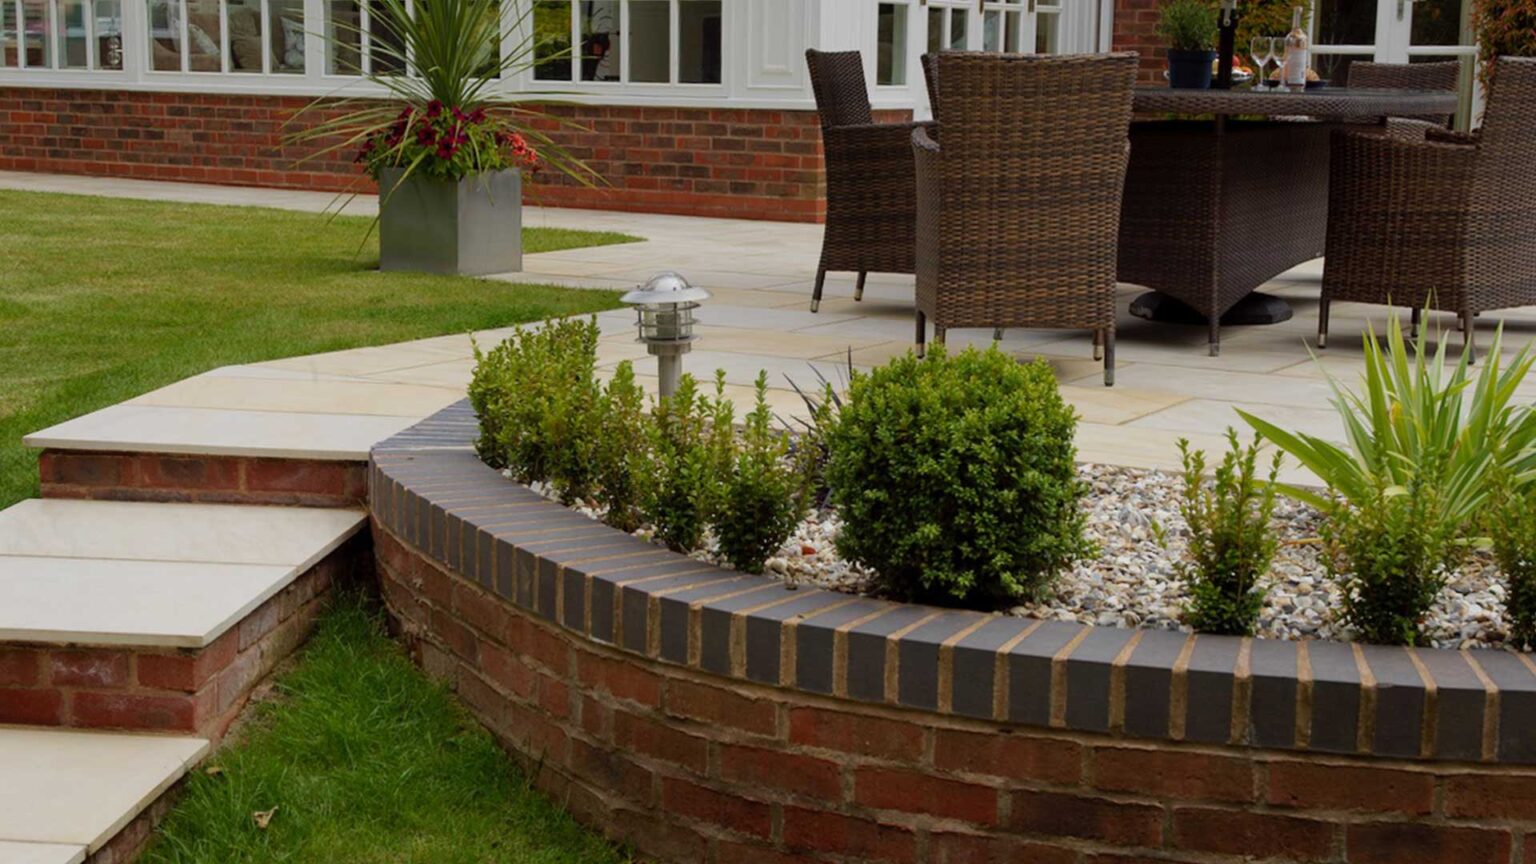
(715, 624)
(674, 611)
(1029, 672)
(1149, 682)
(813, 643)
(1459, 702)
(573, 590)
(606, 581)
(634, 605)
(1208, 712)
(975, 665)
(1088, 668)
(1335, 697)
(1272, 708)
(505, 570)
(1517, 704)
(1399, 701)
(917, 658)
(866, 651)
(765, 632)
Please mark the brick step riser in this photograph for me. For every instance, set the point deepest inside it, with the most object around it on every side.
(189, 691)
(201, 479)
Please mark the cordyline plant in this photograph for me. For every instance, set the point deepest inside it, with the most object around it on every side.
(441, 119)
(1427, 446)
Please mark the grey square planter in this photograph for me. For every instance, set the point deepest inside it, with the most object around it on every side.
(471, 227)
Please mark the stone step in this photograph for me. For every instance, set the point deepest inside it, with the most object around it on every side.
(134, 615)
(68, 794)
(261, 434)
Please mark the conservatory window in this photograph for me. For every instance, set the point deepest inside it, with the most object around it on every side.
(238, 36)
(636, 41)
(891, 44)
(1002, 25)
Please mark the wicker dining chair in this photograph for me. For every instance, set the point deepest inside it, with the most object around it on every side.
(870, 194)
(1018, 211)
(1407, 76)
(1439, 219)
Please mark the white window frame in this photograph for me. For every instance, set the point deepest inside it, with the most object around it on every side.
(530, 84)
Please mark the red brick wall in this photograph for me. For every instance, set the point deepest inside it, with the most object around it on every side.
(690, 767)
(204, 479)
(1136, 30)
(698, 161)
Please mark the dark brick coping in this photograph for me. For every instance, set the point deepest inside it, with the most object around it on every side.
(427, 486)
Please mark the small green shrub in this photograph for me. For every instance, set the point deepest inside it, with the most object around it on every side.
(762, 500)
(1513, 532)
(1188, 25)
(1390, 554)
(619, 455)
(681, 479)
(954, 477)
(536, 395)
(1230, 541)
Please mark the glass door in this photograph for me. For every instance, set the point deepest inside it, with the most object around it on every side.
(1393, 31)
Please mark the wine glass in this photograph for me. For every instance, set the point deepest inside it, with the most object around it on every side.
(1262, 50)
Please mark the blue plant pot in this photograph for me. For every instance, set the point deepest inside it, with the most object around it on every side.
(1190, 70)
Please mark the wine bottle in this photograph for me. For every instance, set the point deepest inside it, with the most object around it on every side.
(1297, 54)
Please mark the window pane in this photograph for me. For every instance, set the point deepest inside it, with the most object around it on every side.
(71, 36)
(386, 48)
(650, 41)
(935, 31)
(9, 53)
(165, 35)
(109, 34)
(244, 20)
(203, 36)
(35, 33)
(287, 31)
(891, 45)
(552, 40)
(1046, 27)
(599, 40)
(957, 29)
(698, 41)
(1012, 33)
(992, 30)
(343, 52)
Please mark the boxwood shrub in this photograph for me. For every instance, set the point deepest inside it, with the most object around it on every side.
(954, 477)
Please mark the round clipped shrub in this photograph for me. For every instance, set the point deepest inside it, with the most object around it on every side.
(954, 478)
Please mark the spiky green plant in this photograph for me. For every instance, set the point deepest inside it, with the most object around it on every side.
(1418, 418)
(454, 54)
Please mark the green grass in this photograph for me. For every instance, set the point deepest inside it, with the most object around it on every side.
(103, 299)
(366, 760)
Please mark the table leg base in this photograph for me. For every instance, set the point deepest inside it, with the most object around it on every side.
(1256, 308)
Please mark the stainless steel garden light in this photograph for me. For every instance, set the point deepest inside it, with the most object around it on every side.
(665, 305)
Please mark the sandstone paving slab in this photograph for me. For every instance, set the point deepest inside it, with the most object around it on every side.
(81, 788)
(89, 601)
(1214, 415)
(294, 537)
(20, 852)
(331, 397)
(135, 428)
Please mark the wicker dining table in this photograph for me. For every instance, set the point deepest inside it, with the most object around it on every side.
(1227, 189)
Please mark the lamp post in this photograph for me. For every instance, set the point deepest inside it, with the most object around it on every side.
(664, 306)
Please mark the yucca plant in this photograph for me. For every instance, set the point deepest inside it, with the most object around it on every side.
(1418, 418)
(440, 116)
(1426, 442)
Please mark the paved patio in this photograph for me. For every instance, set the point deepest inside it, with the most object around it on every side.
(760, 273)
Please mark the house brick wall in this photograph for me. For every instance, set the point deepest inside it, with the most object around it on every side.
(692, 767)
(1136, 30)
(202, 479)
(741, 163)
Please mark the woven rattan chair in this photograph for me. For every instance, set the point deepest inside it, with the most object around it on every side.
(1446, 221)
(870, 196)
(1407, 76)
(1018, 211)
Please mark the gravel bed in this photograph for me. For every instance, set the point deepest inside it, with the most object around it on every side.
(1133, 515)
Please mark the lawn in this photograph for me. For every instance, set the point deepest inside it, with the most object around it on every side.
(103, 299)
(366, 760)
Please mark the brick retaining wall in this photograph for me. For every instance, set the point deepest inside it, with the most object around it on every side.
(704, 715)
(201, 479)
(741, 163)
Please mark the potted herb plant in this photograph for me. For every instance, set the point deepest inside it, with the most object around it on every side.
(449, 156)
(1190, 28)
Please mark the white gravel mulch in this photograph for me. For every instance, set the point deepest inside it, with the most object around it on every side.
(1134, 517)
